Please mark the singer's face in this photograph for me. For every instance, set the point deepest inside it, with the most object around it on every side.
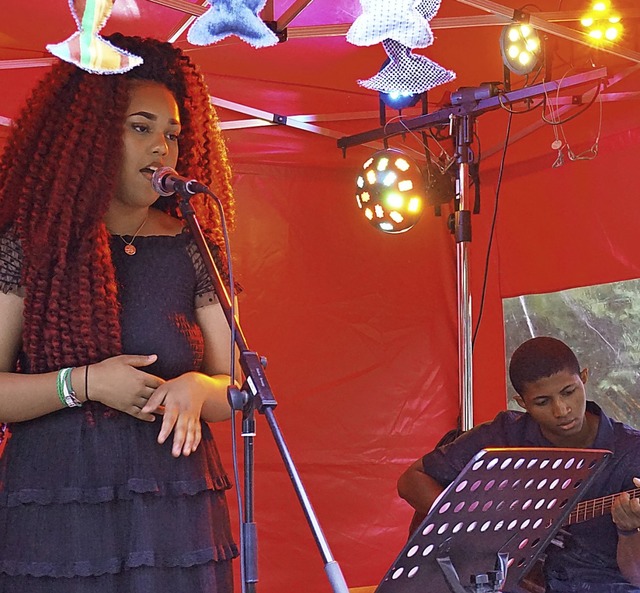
(150, 139)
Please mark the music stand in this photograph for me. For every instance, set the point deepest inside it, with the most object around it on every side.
(496, 517)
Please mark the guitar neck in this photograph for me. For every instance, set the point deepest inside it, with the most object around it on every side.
(590, 509)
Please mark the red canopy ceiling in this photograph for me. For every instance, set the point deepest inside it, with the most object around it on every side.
(314, 73)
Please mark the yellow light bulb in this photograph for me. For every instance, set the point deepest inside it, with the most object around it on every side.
(614, 19)
(524, 58)
(364, 196)
(402, 164)
(513, 51)
(513, 34)
(525, 30)
(414, 204)
(405, 185)
(532, 45)
(395, 200)
(611, 33)
(382, 164)
(371, 176)
(596, 34)
(586, 21)
(389, 179)
(599, 6)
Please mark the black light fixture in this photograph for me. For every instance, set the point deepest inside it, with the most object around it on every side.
(400, 100)
(521, 48)
(392, 190)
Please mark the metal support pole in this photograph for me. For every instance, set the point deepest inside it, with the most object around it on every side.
(462, 132)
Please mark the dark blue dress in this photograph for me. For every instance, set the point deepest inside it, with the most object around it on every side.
(89, 501)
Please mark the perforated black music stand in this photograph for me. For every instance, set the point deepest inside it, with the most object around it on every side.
(496, 517)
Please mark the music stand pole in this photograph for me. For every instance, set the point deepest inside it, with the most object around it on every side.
(258, 395)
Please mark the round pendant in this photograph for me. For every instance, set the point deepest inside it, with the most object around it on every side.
(130, 249)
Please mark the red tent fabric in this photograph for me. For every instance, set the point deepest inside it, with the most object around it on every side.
(360, 328)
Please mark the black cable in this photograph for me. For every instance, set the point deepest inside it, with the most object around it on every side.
(568, 119)
(232, 372)
(518, 112)
(492, 231)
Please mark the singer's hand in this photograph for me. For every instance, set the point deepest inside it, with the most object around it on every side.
(118, 383)
(180, 400)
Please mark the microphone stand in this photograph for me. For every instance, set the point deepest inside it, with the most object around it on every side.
(255, 395)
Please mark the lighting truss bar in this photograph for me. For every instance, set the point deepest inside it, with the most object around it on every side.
(268, 12)
(243, 124)
(442, 116)
(26, 63)
(291, 13)
(584, 98)
(182, 6)
(604, 97)
(196, 10)
(553, 29)
(283, 120)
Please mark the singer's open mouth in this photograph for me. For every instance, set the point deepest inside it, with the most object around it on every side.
(149, 171)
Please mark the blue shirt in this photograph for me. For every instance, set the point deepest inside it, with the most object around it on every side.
(588, 561)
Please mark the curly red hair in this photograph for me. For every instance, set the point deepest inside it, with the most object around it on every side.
(57, 178)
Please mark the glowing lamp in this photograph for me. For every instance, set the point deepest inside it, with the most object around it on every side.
(390, 191)
(602, 23)
(400, 100)
(521, 48)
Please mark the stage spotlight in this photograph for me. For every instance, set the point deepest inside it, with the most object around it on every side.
(521, 48)
(602, 23)
(399, 100)
(390, 191)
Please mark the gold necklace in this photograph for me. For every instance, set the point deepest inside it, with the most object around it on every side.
(129, 247)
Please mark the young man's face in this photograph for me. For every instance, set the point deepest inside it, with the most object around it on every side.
(558, 404)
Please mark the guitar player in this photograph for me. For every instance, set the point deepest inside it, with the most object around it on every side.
(602, 554)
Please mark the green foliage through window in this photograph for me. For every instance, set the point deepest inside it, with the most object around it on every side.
(602, 326)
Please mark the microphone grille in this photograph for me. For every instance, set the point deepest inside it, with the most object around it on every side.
(158, 181)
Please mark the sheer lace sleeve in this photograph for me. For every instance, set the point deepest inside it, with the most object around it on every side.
(10, 263)
(205, 293)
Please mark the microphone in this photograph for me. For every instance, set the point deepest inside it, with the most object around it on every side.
(166, 182)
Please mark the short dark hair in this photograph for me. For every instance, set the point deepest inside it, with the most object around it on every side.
(538, 358)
